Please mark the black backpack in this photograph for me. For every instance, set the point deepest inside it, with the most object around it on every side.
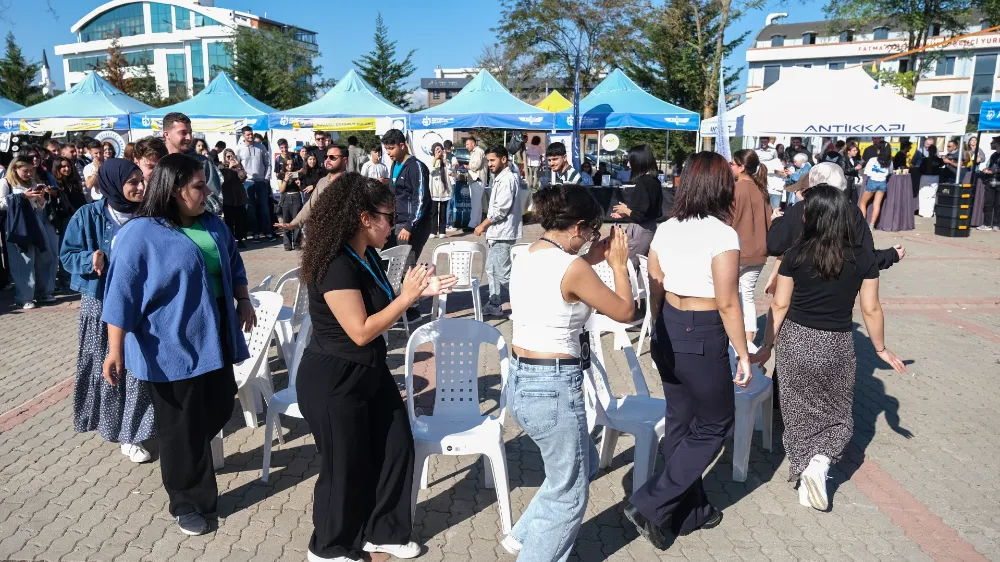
(516, 143)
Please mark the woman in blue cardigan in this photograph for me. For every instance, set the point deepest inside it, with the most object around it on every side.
(122, 413)
(176, 304)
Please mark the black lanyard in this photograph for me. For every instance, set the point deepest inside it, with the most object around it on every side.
(383, 282)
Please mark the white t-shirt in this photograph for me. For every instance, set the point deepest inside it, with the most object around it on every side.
(685, 250)
(876, 172)
(92, 193)
(769, 159)
(534, 153)
(374, 171)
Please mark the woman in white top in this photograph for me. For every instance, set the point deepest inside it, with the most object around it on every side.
(441, 176)
(552, 291)
(694, 263)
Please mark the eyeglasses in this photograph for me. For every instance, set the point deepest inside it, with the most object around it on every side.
(391, 217)
(334, 157)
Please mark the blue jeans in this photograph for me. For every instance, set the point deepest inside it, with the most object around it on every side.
(875, 185)
(548, 403)
(450, 220)
(34, 271)
(259, 207)
(775, 200)
(498, 265)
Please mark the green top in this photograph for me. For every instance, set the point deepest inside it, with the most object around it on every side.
(210, 252)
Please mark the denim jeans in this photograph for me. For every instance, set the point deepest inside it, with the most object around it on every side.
(34, 271)
(498, 266)
(259, 207)
(450, 219)
(548, 403)
(775, 200)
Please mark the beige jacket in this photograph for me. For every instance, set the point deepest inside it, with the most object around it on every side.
(300, 219)
(477, 165)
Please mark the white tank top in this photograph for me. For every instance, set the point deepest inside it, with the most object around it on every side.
(543, 320)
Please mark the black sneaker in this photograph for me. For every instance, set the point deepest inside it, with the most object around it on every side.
(241, 245)
(192, 524)
(646, 528)
(714, 518)
(413, 314)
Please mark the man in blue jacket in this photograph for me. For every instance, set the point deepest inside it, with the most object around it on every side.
(410, 180)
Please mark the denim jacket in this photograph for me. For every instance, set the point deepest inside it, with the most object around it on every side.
(88, 231)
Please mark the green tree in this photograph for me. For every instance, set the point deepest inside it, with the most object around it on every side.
(512, 68)
(135, 80)
(273, 67)
(383, 70)
(17, 75)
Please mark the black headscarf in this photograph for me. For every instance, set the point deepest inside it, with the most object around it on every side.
(111, 178)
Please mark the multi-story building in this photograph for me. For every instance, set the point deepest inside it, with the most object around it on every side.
(447, 82)
(962, 76)
(183, 42)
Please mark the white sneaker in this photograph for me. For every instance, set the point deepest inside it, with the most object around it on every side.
(317, 558)
(408, 550)
(136, 453)
(510, 544)
(803, 494)
(28, 306)
(984, 227)
(814, 478)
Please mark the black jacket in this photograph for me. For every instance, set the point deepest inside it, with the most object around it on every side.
(645, 200)
(785, 231)
(413, 195)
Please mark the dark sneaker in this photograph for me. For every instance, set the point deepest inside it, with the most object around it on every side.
(192, 524)
(413, 314)
(714, 518)
(647, 528)
(495, 310)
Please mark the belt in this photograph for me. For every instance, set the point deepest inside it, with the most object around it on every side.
(548, 362)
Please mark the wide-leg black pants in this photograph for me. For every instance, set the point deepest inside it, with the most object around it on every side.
(691, 351)
(362, 431)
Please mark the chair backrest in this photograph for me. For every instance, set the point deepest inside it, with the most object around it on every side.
(460, 256)
(456, 360)
(267, 305)
(301, 341)
(607, 275)
(290, 275)
(264, 285)
(644, 274)
(757, 381)
(300, 306)
(399, 258)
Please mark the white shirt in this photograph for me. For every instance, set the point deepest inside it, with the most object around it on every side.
(374, 170)
(769, 158)
(876, 172)
(685, 250)
(534, 153)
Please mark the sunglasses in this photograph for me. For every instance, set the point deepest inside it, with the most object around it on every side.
(391, 217)
(333, 157)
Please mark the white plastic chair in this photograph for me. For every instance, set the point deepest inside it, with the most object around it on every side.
(399, 259)
(457, 427)
(264, 285)
(639, 414)
(285, 401)
(754, 409)
(607, 275)
(518, 250)
(460, 256)
(644, 293)
(290, 317)
(253, 376)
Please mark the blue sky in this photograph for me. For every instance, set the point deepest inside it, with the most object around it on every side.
(446, 33)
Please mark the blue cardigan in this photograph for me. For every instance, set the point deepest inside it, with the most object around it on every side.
(88, 231)
(159, 292)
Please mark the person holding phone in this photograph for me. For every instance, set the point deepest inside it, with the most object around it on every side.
(33, 245)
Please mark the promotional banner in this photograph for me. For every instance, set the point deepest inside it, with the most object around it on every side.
(114, 138)
(422, 140)
(204, 124)
(323, 123)
(27, 125)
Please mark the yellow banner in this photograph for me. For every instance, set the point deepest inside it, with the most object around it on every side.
(68, 124)
(338, 124)
(209, 125)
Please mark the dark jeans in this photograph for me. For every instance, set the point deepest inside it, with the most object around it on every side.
(991, 204)
(417, 241)
(362, 432)
(691, 351)
(439, 216)
(259, 207)
(236, 219)
(290, 205)
(4, 260)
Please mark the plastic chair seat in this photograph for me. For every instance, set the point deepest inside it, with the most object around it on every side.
(454, 435)
(285, 402)
(642, 410)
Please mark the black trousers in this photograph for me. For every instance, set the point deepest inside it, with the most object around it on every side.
(417, 241)
(691, 351)
(236, 219)
(439, 218)
(290, 204)
(991, 204)
(362, 432)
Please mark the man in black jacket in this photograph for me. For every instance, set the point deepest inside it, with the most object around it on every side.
(411, 181)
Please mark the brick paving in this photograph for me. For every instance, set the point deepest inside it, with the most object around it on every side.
(918, 481)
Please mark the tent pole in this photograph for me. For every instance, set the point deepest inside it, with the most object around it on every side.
(599, 133)
(697, 144)
(666, 157)
(958, 168)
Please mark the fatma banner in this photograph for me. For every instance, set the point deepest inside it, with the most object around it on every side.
(203, 124)
(328, 123)
(62, 124)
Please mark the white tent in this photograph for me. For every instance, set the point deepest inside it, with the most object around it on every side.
(833, 103)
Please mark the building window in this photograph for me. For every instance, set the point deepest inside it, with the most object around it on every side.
(304, 36)
(159, 17)
(83, 64)
(123, 21)
(982, 84)
(182, 18)
(809, 38)
(904, 65)
(201, 20)
(881, 33)
(777, 40)
(139, 58)
(448, 94)
(436, 94)
(836, 66)
(804, 65)
(846, 36)
(984, 25)
(176, 76)
(771, 73)
(218, 59)
(945, 66)
(941, 102)
(934, 30)
(197, 68)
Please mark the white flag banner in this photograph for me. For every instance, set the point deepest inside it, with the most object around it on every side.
(722, 132)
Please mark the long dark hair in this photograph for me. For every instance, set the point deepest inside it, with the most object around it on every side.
(336, 218)
(69, 183)
(751, 164)
(563, 205)
(706, 189)
(172, 172)
(641, 161)
(826, 232)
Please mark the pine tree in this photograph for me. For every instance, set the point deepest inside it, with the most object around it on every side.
(383, 71)
(135, 80)
(17, 75)
(272, 67)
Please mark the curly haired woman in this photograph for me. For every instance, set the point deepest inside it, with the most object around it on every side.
(345, 390)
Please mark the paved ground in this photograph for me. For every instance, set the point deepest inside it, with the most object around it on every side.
(919, 481)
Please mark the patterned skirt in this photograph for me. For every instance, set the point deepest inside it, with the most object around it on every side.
(816, 387)
(121, 414)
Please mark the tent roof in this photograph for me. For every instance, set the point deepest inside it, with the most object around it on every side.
(483, 102)
(351, 97)
(989, 116)
(222, 98)
(554, 102)
(93, 97)
(617, 103)
(811, 101)
(7, 106)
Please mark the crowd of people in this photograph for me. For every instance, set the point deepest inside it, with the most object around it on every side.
(165, 302)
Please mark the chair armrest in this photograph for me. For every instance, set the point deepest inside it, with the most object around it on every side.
(638, 379)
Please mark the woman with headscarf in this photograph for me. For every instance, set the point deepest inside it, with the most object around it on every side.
(122, 413)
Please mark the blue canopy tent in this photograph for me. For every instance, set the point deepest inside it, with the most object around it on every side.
(350, 106)
(7, 106)
(989, 116)
(618, 103)
(91, 105)
(221, 107)
(483, 102)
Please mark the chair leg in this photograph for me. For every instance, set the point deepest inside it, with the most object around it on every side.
(419, 468)
(488, 472)
(608, 441)
(645, 455)
(268, 439)
(742, 434)
(426, 473)
(441, 310)
(218, 454)
(477, 300)
(496, 464)
(406, 324)
(248, 403)
(644, 331)
(767, 419)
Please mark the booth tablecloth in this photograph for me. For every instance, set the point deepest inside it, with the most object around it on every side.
(898, 206)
